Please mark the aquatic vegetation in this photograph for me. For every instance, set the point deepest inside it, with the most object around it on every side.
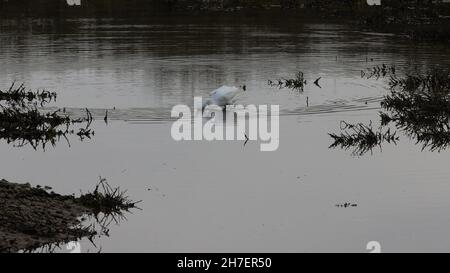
(439, 32)
(21, 96)
(31, 217)
(418, 104)
(30, 126)
(361, 138)
(297, 83)
(346, 205)
(378, 71)
(106, 199)
(22, 123)
(316, 82)
(435, 81)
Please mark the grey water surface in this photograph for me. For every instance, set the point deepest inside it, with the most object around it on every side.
(218, 196)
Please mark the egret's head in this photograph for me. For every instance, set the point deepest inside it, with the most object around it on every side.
(206, 103)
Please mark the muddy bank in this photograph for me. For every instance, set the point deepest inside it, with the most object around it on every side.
(32, 217)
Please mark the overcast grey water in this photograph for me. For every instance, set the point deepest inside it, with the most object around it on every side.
(223, 196)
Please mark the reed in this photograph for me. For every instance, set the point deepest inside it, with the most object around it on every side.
(361, 138)
(22, 122)
(107, 199)
(20, 95)
(297, 83)
(419, 105)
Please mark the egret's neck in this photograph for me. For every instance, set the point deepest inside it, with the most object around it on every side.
(206, 103)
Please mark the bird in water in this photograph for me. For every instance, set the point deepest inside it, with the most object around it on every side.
(223, 96)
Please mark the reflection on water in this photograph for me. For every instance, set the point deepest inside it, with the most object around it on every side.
(22, 123)
(362, 138)
(417, 104)
(100, 210)
(280, 201)
(297, 83)
(100, 224)
(106, 64)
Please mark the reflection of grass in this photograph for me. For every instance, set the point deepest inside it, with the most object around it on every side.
(37, 219)
(417, 20)
(20, 95)
(22, 123)
(418, 104)
(362, 138)
(297, 83)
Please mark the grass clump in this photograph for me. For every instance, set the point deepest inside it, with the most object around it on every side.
(21, 96)
(362, 138)
(297, 83)
(36, 219)
(418, 104)
(22, 122)
(107, 199)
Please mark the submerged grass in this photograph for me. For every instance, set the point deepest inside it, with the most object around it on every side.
(416, 20)
(378, 71)
(297, 83)
(22, 123)
(107, 199)
(361, 138)
(21, 96)
(418, 104)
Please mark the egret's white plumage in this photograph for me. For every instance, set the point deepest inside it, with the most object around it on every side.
(223, 96)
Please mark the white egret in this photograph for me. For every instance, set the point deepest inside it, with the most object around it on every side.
(223, 96)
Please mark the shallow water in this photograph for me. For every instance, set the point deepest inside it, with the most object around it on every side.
(222, 196)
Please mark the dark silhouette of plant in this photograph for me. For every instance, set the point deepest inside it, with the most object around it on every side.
(106, 199)
(418, 104)
(297, 83)
(22, 122)
(361, 138)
